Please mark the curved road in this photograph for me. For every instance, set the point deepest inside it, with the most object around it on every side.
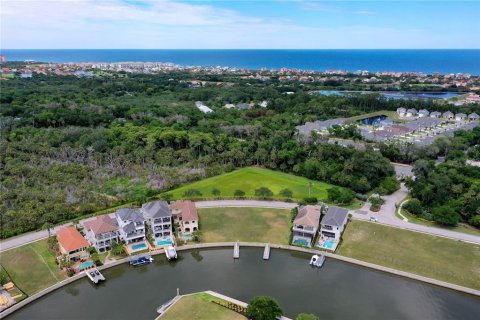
(386, 216)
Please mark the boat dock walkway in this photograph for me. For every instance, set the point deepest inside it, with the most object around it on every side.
(236, 251)
(266, 252)
(94, 275)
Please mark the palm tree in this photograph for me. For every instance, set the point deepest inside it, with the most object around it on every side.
(47, 226)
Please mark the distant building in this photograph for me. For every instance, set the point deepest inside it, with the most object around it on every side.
(185, 214)
(72, 243)
(102, 232)
(448, 115)
(473, 117)
(242, 106)
(411, 112)
(435, 114)
(401, 112)
(263, 104)
(3, 59)
(200, 106)
(460, 116)
(423, 113)
(305, 225)
(131, 225)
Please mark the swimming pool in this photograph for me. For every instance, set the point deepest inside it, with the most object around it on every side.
(85, 265)
(301, 242)
(328, 244)
(139, 246)
(187, 236)
(164, 242)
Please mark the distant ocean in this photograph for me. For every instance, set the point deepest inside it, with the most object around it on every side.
(427, 61)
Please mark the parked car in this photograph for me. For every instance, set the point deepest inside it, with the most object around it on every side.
(373, 219)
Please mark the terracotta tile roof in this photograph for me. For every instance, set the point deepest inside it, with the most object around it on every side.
(308, 216)
(101, 224)
(70, 239)
(186, 209)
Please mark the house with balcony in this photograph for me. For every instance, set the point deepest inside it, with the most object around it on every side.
(101, 232)
(158, 216)
(333, 223)
(72, 243)
(305, 225)
(185, 216)
(131, 225)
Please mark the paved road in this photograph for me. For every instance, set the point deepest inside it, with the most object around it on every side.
(385, 216)
(27, 238)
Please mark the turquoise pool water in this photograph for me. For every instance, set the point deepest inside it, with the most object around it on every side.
(85, 265)
(186, 236)
(301, 242)
(139, 246)
(328, 244)
(164, 242)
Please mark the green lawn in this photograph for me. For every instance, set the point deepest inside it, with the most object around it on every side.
(200, 307)
(245, 224)
(251, 178)
(32, 267)
(391, 114)
(434, 257)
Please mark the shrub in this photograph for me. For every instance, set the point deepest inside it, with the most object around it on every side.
(263, 308)
(239, 193)
(414, 206)
(70, 272)
(192, 193)
(216, 192)
(310, 200)
(307, 316)
(263, 192)
(390, 185)
(445, 215)
(286, 193)
(475, 220)
(340, 195)
(92, 251)
(361, 196)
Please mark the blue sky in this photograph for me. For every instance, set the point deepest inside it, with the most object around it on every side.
(169, 24)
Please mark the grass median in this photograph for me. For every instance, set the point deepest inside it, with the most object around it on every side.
(439, 258)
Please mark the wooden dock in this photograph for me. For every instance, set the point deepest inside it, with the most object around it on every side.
(236, 251)
(266, 252)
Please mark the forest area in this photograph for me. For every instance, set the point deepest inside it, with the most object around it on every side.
(72, 146)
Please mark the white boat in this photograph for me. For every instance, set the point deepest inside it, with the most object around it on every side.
(171, 253)
(317, 260)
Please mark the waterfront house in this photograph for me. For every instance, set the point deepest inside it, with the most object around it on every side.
(334, 222)
(448, 115)
(185, 216)
(423, 113)
(473, 117)
(72, 243)
(159, 217)
(131, 225)
(401, 112)
(305, 225)
(460, 116)
(101, 232)
(435, 114)
(411, 112)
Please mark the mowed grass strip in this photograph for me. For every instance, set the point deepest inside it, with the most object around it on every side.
(251, 178)
(32, 267)
(434, 257)
(245, 224)
(199, 307)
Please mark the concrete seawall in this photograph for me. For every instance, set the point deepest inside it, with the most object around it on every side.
(368, 265)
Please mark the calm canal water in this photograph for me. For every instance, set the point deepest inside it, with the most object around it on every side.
(337, 291)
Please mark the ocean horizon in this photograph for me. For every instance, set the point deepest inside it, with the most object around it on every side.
(444, 61)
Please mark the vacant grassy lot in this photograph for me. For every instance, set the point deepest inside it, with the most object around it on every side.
(434, 257)
(249, 179)
(200, 307)
(245, 224)
(32, 267)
